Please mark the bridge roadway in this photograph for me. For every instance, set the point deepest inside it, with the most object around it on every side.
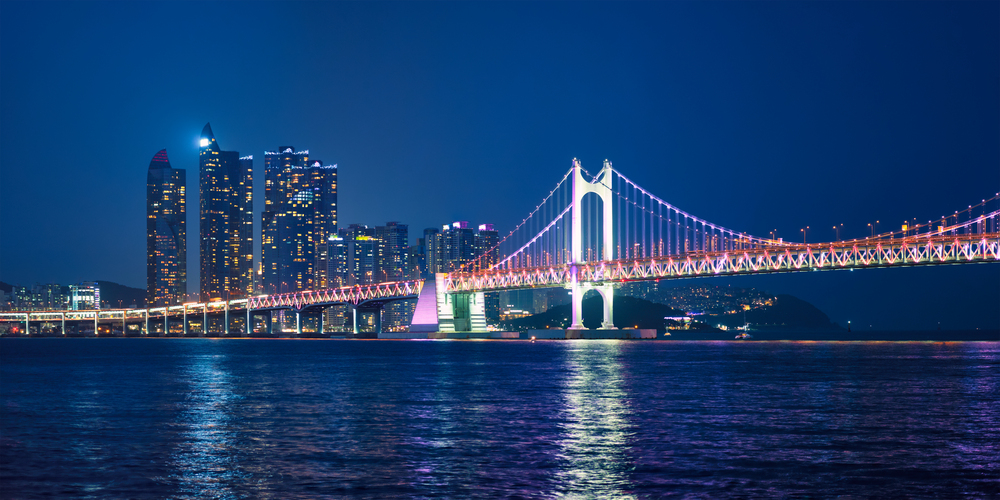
(858, 254)
(450, 295)
(360, 297)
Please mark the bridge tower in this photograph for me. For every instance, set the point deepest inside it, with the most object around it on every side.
(600, 186)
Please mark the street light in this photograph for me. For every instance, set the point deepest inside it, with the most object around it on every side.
(805, 232)
(874, 227)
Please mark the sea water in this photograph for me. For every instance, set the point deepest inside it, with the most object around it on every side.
(271, 418)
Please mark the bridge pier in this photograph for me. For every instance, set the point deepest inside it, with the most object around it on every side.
(376, 312)
(267, 323)
(603, 191)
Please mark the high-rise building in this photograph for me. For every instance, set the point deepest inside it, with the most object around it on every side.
(166, 233)
(458, 244)
(485, 243)
(300, 213)
(226, 220)
(394, 245)
(332, 258)
(275, 162)
(416, 265)
(241, 234)
(362, 260)
(86, 295)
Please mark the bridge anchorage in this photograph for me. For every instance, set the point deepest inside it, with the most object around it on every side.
(590, 232)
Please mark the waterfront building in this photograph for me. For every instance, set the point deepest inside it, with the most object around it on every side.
(166, 233)
(85, 296)
(457, 244)
(416, 265)
(241, 234)
(362, 260)
(300, 212)
(48, 297)
(226, 221)
(275, 162)
(394, 245)
(334, 255)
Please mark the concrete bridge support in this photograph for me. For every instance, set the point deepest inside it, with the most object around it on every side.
(376, 312)
(437, 311)
(462, 312)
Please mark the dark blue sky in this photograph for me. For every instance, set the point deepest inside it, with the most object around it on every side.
(756, 116)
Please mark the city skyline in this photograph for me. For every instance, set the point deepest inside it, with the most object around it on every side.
(804, 129)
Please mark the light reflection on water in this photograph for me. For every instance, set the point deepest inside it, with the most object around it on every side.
(203, 418)
(596, 429)
(205, 461)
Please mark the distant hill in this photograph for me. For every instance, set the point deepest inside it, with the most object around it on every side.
(629, 313)
(787, 312)
(114, 294)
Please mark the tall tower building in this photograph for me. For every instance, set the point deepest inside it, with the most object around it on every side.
(458, 244)
(275, 162)
(166, 236)
(394, 239)
(241, 234)
(226, 220)
(300, 213)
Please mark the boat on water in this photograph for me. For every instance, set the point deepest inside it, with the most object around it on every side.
(744, 336)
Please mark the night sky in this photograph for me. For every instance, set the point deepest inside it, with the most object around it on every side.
(755, 116)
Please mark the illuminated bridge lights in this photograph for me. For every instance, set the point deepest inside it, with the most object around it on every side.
(984, 247)
(354, 295)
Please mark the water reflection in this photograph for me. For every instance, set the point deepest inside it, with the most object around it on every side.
(596, 433)
(205, 462)
(153, 418)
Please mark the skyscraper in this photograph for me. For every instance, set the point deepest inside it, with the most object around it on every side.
(226, 220)
(275, 162)
(394, 245)
(300, 213)
(458, 244)
(166, 236)
(241, 234)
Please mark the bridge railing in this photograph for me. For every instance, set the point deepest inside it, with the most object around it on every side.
(298, 300)
(923, 250)
(344, 295)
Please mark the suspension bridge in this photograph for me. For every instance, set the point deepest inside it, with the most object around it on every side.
(590, 232)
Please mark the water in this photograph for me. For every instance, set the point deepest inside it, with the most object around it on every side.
(241, 418)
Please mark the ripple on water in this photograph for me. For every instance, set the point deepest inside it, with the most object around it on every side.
(197, 418)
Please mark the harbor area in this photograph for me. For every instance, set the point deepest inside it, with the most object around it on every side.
(547, 334)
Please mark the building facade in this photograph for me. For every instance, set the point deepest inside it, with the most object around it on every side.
(393, 250)
(300, 213)
(166, 233)
(225, 187)
(458, 245)
(85, 296)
